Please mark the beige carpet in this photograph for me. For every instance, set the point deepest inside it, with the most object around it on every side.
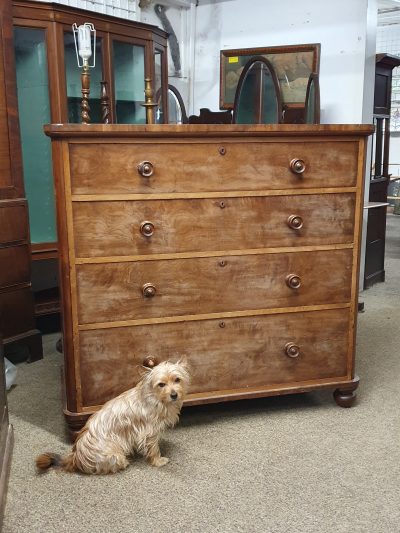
(289, 464)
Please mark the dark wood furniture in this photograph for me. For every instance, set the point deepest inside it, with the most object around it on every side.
(374, 271)
(127, 52)
(206, 116)
(6, 437)
(235, 245)
(17, 322)
(312, 108)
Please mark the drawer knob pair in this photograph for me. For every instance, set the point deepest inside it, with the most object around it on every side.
(145, 169)
(293, 281)
(292, 350)
(147, 228)
(297, 166)
(295, 222)
(149, 290)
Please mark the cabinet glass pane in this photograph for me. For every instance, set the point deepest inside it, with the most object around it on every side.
(129, 83)
(34, 112)
(74, 84)
(158, 85)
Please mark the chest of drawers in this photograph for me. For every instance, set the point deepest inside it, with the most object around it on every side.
(237, 246)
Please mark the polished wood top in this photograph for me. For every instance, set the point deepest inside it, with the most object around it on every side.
(208, 130)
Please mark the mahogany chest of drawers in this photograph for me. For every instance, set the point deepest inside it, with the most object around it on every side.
(237, 246)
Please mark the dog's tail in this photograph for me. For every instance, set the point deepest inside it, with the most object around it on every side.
(48, 460)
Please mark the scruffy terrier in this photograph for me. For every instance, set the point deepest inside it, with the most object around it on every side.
(131, 422)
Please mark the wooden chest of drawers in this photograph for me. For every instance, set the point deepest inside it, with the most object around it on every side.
(237, 246)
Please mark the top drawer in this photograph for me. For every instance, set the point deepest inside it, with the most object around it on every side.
(209, 167)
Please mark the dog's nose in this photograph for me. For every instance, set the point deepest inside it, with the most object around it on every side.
(174, 395)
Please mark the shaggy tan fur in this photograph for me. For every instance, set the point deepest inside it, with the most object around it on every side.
(131, 422)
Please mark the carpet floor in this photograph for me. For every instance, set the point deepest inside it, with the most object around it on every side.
(287, 464)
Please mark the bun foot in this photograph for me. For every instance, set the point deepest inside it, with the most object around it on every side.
(345, 396)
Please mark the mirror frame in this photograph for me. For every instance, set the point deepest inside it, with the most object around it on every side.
(278, 95)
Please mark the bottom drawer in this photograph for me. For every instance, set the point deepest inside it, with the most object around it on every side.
(233, 353)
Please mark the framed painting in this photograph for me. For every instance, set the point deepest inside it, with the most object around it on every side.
(293, 65)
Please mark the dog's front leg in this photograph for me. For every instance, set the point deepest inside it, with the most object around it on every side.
(153, 454)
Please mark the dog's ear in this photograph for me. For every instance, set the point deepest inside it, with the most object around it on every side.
(183, 361)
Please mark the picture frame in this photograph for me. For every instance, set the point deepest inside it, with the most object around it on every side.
(293, 65)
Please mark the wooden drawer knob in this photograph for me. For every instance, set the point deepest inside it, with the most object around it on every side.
(292, 350)
(293, 281)
(150, 362)
(149, 290)
(145, 169)
(297, 166)
(295, 222)
(147, 228)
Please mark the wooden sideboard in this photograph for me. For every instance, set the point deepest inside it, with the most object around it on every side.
(237, 246)
(17, 321)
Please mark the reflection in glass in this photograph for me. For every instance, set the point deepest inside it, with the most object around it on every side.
(159, 114)
(74, 84)
(129, 83)
(257, 99)
(34, 112)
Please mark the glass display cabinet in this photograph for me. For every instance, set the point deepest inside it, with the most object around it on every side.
(49, 91)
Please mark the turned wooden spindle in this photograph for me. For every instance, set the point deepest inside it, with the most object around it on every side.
(104, 103)
(85, 108)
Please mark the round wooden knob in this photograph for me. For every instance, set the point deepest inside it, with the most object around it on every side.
(149, 290)
(150, 362)
(145, 169)
(295, 222)
(292, 350)
(147, 228)
(293, 281)
(297, 166)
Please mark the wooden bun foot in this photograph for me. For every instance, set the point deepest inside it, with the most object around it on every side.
(346, 396)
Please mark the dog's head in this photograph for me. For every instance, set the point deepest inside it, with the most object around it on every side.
(169, 381)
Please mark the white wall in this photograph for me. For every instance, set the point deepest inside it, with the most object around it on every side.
(340, 27)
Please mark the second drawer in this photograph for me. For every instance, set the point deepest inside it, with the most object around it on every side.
(150, 289)
(120, 228)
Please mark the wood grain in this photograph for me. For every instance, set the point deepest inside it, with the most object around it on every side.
(193, 166)
(211, 285)
(113, 228)
(246, 352)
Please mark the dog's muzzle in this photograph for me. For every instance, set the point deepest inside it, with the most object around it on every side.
(174, 396)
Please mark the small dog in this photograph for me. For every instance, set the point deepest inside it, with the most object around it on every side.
(131, 422)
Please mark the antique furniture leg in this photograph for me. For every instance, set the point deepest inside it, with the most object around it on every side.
(345, 396)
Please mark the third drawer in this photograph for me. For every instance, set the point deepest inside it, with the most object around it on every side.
(174, 287)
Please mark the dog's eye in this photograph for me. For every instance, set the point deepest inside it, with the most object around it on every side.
(161, 385)
(177, 380)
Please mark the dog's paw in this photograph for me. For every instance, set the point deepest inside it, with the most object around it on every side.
(160, 461)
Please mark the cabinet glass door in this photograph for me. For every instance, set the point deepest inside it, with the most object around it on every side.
(34, 112)
(128, 61)
(74, 84)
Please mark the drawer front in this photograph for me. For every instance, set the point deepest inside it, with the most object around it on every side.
(13, 223)
(247, 352)
(116, 228)
(124, 291)
(218, 166)
(16, 312)
(15, 265)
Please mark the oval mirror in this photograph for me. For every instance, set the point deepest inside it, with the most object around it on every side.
(312, 103)
(176, 108)
(258, 97)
